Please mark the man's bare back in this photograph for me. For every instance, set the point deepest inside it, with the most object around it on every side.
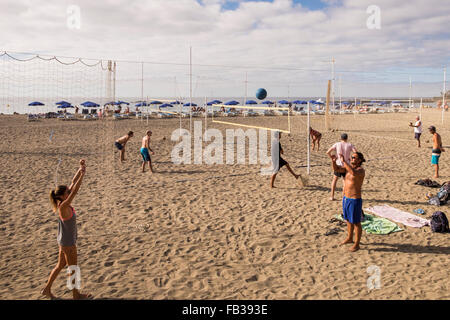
(123, 140)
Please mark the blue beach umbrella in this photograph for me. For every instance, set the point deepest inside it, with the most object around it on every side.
(36, 103)
(141, 104)
(267, 102)
(189, 104)
(89, 104)
(122, 102)
(156, 102)
(251, 102)
(299, 102)
(62, 102)
(283, 102)
(165, 105)
(231, 103)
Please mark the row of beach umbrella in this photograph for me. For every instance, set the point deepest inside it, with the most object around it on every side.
(89, 104)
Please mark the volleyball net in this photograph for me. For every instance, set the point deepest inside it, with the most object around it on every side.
(268, 111)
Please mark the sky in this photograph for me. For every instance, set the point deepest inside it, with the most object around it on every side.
(284, 46)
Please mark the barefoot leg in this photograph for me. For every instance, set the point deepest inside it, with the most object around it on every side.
(358, 231)
(292, 172)
(47, 291)
(272, 180)
(333, 186)
(72, 260)
(349, 238)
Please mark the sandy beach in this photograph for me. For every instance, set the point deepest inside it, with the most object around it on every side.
(216, 231)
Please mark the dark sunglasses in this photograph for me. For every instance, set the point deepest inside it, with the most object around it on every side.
(353, 158)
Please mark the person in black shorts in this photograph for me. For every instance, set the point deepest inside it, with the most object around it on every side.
(281, 163)
(121, 143)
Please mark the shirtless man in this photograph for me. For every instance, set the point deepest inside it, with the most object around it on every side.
(352, 202)
(417, 130)
(437, 149)
(120, 144)
(316, 136)
(144, 151)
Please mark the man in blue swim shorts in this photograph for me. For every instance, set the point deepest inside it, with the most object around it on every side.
(352, 201)
(437, 150)
(145, 151)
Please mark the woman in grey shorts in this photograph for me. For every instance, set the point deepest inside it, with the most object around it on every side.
(61, 199)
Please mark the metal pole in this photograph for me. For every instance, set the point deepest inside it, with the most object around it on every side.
(142, 88)
(333, 79)
(190, 89)
(443, 95)
(245, 97)
(421, 105)
(308, 141)
(410, 91)
(340, 94)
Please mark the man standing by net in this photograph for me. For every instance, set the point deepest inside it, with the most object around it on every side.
(417, 130)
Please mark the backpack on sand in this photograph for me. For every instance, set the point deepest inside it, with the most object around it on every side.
(439, 222)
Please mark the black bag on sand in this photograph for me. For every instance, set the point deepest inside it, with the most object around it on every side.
(439, 222)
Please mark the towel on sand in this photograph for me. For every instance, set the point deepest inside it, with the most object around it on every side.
(396, 215)
(376, 225)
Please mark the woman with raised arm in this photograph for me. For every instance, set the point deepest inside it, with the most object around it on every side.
(61, 199)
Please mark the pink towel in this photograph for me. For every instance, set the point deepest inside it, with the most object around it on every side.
(396, 215)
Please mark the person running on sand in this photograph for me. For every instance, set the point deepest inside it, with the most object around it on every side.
(281, 162)
(345, 148)
(352, 201)
(61, 199)
(120, 144)
(316, 136)
(145, 151)
(437, 149)
(417, 130)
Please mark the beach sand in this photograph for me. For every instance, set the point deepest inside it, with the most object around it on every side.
(216, 231)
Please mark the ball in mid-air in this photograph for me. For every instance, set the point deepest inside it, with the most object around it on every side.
(261, 93)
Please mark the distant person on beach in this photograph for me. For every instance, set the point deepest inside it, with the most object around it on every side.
(346, 149)
(145, 148)
(120, 144)
(352, 201)
(277, 161)
(417, 130)
(61, 199)
(437, 149)
(315, 136)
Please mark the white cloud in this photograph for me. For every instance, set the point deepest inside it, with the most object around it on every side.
(413, 34)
